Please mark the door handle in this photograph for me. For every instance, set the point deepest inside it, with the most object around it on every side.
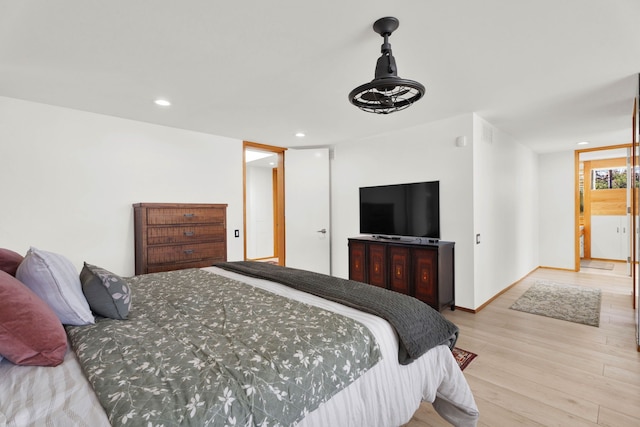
(323, 231)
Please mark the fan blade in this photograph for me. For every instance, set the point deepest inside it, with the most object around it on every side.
(371, 96)
(381, 97)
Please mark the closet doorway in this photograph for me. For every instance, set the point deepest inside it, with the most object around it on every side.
(264, 225)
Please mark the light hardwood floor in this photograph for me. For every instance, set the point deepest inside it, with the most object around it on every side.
(536, 371)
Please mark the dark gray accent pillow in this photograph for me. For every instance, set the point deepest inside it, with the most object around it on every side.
(107, 293)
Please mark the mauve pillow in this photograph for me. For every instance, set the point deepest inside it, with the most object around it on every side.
(9, 261)
(55, 280)
(30, 332)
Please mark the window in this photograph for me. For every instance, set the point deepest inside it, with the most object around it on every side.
(607, 178)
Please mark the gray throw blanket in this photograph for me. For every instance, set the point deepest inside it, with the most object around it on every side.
(419, 327)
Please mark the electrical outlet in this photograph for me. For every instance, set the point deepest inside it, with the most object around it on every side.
(236, 233)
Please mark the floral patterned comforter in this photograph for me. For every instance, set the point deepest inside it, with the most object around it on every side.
(203, 350)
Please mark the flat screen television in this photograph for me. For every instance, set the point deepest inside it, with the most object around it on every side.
(401, 210)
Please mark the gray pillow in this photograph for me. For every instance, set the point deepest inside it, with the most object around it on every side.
(108, 294)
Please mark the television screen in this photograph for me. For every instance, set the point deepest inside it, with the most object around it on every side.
(401, 210)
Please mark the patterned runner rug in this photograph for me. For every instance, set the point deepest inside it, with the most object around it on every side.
(463, 357)
(576, 304)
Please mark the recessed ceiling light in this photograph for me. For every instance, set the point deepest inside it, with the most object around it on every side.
(162, 102)
(583, 143)
(300, 134)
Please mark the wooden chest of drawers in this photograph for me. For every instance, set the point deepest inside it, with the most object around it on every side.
(173, 236)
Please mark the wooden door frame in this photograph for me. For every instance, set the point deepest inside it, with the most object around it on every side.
(279, 195)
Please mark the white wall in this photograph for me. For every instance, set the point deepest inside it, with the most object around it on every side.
(490, 188)
(557, 210)
(69, 179)
(422, 153)
(505, 182)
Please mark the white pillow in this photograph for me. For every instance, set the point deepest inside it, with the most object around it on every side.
(55, 280)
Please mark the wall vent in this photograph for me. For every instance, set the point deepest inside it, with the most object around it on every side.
(487, 134)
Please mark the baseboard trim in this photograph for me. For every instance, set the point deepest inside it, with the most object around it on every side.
(490, 300)
(468, 310)
(553, 268)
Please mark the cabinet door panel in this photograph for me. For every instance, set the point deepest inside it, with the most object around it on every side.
(357, 262)
(377, 265)
(608, 237)
(399, 278)
(425, 274)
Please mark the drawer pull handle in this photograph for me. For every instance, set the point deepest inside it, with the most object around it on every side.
(188, 251)
(189, 215)
(189, 233)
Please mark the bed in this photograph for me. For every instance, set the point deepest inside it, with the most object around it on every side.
(314, 361)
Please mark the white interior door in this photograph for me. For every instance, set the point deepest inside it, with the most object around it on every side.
(307, 209)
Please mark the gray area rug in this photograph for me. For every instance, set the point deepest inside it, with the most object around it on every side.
(602, 265)
(565, 302)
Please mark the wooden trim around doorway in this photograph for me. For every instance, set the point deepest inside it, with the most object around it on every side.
(279, 195)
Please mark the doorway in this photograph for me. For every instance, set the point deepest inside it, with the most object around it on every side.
(603, 200)
(264, 225)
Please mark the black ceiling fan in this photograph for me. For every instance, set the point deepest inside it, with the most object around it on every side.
(386, 93)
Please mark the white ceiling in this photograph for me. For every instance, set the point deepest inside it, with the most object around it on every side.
(549, 73)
